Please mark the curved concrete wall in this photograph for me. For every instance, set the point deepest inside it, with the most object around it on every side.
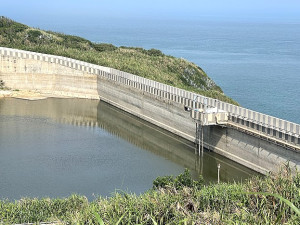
(256, 140)
(56, 76)
(75, 77)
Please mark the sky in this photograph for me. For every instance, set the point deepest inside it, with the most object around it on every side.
(28, 11)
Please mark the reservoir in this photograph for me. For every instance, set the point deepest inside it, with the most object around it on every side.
(56, 147)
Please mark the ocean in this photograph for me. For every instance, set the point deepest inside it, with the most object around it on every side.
(257, 64)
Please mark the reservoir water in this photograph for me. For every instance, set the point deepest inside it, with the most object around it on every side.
(56, 147)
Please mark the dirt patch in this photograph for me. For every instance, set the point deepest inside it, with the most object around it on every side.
(22, 94)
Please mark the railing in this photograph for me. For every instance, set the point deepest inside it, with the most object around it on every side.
(264, 123)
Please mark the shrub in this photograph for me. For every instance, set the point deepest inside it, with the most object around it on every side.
(103, 47)
(154, 52)
(161, 182)
(34, 36)
(179, 182)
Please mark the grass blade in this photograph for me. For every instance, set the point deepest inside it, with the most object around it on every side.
(98, 218)
(154, 222)
(290, 204)
(120, 219)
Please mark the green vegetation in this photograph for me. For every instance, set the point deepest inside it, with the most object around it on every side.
(260, 200)
(152, 64)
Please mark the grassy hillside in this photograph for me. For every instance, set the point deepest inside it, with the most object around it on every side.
(151, 64)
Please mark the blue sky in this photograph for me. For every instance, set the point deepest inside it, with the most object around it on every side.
(75, 10)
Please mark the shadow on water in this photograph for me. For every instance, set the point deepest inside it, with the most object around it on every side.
(55, 147)
(169, 146)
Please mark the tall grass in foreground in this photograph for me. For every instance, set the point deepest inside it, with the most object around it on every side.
(270, 200)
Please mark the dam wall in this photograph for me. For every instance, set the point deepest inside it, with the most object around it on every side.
(256, 140)
(34, 71)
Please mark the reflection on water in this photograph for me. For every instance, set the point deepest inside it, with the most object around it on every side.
(56, 147)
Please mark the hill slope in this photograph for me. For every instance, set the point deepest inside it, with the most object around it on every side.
(151, 64)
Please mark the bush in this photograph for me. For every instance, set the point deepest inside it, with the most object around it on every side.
(34, 36)
(102, 47)
(154, 52)
(161, 182)
(179, 182)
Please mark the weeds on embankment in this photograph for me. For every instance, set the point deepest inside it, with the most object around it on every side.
(269, 200)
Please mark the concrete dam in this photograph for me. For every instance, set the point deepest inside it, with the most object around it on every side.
(258, 141)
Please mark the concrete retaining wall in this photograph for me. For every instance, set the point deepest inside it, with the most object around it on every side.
(157, 110)
(259, 141)
(50, 75)
(252, 151)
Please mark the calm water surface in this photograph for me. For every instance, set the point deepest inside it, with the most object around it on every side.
(56, 147)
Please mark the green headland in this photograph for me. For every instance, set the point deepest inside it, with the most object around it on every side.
(151, 64)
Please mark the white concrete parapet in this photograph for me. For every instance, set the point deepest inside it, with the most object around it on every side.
(156, 88)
